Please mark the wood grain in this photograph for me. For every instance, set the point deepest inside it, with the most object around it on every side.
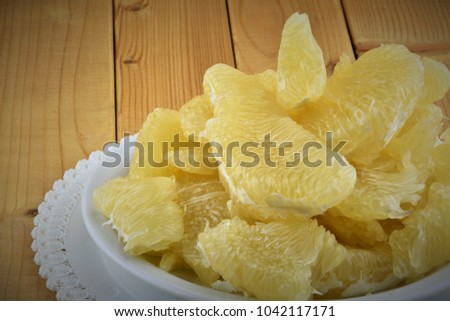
(57, 62)
(56, 106)
(422, 25)
(257, 25)
(162, 51)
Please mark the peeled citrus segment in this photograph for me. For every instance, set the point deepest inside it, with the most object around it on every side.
(341, 67)
(362, 271)
(268, 261)
(367, 102)
(106, 196)
(155, 136)
(172, 260)
(204, 205)
(165, 150)
(424, 243)
(436, 81)
(247, 116)
(301, 69)
(194, 115)
(145, 213)
(381, 190)
(394, 182)
(268, 79)
(441, 160)
(329, 259)
(418, 137)
(359, 234)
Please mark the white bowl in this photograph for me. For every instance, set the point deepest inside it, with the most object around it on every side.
(144, 274)
(134, 267)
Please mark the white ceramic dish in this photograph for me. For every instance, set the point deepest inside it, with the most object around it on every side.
(106, 239)
(142, 273)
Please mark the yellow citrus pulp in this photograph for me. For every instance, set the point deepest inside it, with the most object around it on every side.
(145, 221)
(280, 223)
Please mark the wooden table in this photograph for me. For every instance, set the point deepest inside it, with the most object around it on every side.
(77, 74)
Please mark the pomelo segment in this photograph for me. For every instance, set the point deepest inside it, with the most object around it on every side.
(157, 154)
(424, 243)
(144, 212)
(155, 136)
(362, 271)
(268, 79)
(270, 261)
(394, 183)
(245, 113)
(436, 81)
(350, 232)
(441, 159)
(301, 72)
(194, 115)
(368, 101)
(204, 206)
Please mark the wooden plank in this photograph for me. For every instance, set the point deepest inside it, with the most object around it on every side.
(56, 106)
(163, 49)
(422, 25)
(257, 25)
